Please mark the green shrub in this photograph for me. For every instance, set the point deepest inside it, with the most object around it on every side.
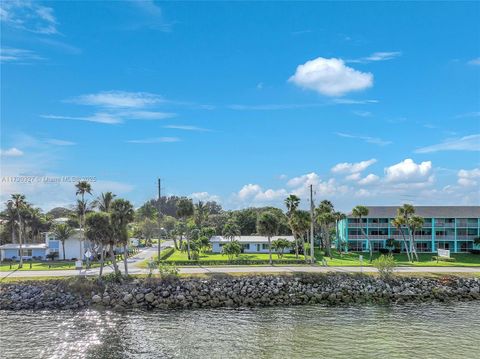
(113, 277)
(385, 265)
(443, 259)
(167, 270)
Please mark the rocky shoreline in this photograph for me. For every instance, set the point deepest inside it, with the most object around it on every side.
(230, 291)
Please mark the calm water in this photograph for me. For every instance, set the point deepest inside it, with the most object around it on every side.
(413, 331)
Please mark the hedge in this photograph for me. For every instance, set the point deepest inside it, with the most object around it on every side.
(443, 259)
(234, 262)
(166, 253)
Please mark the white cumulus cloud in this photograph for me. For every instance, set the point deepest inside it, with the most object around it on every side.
(330, 77)
(347, 167)
(468, 178)
(409, 171)
(369, 179)
(204, 196)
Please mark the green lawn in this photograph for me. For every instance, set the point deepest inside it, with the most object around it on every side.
(347, 259)
(425, 260)
(179, 256)
(57, 265)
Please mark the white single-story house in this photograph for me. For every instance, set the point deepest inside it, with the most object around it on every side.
(250, 244)
(74, 248)
(29, 250)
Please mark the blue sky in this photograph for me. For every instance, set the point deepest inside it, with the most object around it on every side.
(372, 103)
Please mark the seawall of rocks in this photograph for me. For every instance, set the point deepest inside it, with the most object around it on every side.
(226, 291)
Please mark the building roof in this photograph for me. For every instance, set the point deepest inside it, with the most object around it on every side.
(24, 246)
(426, 211)
(249, 239)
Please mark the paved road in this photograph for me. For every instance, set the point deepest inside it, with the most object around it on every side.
(147, 253)
(133, 267)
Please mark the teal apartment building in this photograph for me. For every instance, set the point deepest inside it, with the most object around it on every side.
(445, 227)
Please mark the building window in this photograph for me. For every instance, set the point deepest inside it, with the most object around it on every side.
(356, 246)
(265, 246)
(53, 244)
(465, 246)
(26, 252)
(423, 246)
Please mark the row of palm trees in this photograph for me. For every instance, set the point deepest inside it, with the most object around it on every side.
(405, 221)
(325, 218)
(106, 228)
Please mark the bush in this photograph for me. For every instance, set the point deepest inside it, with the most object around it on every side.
(384, 250)
(168, 270)
(475, 251)
(443, 259)
(385, 265)
(113, 277)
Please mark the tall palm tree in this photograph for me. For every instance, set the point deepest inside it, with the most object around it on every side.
(406, 211)
(415, 223)
(184, 210)
(267, 225)
(62, 232)
(359, 212)
(99, 230)
(83, 187)
(325, 219)
(399, 222)
(230, 230)
(201, 212)
(18, 204)
(104, 201)
(301, 224)
(292, 202)
(122, 214)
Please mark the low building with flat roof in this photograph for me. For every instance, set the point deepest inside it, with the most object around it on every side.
(445, 227)
(250, 244)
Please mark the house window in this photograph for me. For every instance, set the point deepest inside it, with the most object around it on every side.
(265, 246)
(26, 252)
(53, 244)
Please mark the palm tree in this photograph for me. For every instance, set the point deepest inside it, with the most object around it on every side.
(99, 230)
(406, 211)
(62, 232)
(398, 222)
(301, 224)
(325, 218)
(82, 187)
(292, 202)
(122, 215)
(184, 210)
(267, 225)
(104, 201)
(18, 204)
(230, 230)
(359, 212)
(415, 223)
(201, 213)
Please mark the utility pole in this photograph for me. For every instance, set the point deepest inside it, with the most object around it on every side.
(159, 249)
(312, 252)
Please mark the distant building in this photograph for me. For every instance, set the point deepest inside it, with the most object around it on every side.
(445, 227)
(250, 244)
